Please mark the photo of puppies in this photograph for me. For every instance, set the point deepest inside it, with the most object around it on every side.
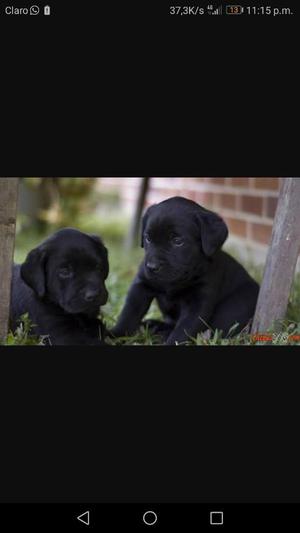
(149, 261)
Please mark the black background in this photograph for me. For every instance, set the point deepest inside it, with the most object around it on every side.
(108, 89)
(126, 89)
(150, 424)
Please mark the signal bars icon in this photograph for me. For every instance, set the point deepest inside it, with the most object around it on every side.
(214, 11)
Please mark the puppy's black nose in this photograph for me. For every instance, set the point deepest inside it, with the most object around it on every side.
(153, 266)
(90, 295)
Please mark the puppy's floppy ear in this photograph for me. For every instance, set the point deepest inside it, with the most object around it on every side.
(103, 249)
(97, 240)
(144, 223)
(214, 231)
(33, 270)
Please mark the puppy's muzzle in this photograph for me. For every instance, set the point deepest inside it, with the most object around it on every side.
(94, 296)
(153, 266)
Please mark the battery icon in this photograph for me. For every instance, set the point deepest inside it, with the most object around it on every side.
(46, 10)
(234, 10)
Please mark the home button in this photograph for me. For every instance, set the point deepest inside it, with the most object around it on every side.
(150, 518)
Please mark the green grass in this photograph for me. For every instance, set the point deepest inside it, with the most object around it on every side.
(123, 266)
(23, 334)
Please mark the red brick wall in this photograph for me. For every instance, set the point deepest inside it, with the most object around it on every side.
(247, 204)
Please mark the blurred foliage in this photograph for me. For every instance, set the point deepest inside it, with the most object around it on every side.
(76, 187)
(63, 200)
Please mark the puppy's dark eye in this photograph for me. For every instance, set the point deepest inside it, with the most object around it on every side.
(65, 272)
(177, 241)
(147, 238)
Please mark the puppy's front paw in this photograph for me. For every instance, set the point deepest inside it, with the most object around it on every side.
(159, 329)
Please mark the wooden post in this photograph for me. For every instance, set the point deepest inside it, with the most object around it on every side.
(135, 225)
(281, 260)
(8, 214)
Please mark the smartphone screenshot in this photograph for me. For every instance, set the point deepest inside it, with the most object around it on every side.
(149, 266)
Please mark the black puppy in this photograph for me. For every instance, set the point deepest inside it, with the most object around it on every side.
(61, 286)
(195, 283)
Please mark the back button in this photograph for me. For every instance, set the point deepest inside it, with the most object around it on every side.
(84, 518)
